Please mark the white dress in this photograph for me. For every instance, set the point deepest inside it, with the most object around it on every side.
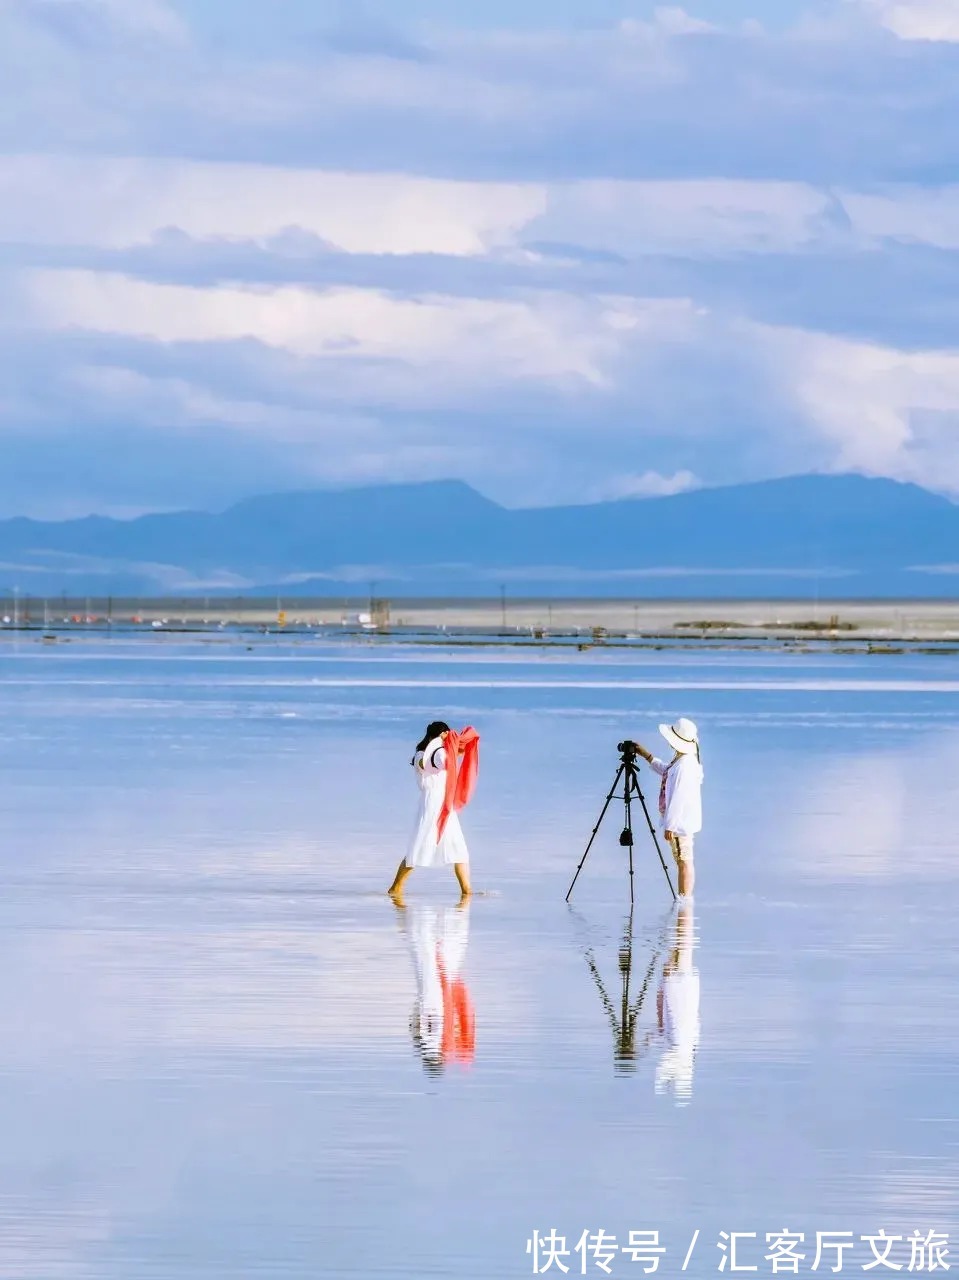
(424, 849)
(438, 940)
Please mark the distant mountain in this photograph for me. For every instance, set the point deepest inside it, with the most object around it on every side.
(839, 536)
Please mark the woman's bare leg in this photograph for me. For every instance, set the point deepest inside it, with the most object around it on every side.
(684, 868)
(463, 877)
(687, 877)
(396, 888)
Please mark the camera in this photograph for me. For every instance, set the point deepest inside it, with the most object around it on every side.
(626, 748)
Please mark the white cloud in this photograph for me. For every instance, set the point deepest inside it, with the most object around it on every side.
(709, 216)
(917, 19)
(671, 21)
(923, 215)
(648, 484)
(179, 404)
(116, 203)
(523, 164)
(464, 341)
(884, 411)
(122, 203)
(153, 19)
(678, 22)
(684, 371)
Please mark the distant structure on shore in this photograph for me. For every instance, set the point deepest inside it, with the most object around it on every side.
(588, 621)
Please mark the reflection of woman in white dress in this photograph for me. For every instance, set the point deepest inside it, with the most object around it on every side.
(679, 1013)
(443, 1024)
(445, 784)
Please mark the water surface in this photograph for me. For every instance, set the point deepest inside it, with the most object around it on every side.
(228, 1054)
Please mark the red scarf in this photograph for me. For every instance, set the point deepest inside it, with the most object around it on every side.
(459, 1020)
(460, 775)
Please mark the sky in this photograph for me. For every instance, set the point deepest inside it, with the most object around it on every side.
(563, 251)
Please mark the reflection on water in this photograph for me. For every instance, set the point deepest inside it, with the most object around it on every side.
(672, 1028)
(228, 1054)
(443, 1022)
(678, 1009)
(629, 1044)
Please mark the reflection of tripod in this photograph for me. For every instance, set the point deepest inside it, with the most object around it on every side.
(624, 1026)
(627, 769)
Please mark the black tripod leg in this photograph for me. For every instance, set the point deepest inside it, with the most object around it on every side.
(602, 815)
(629, 828)
(652, 832)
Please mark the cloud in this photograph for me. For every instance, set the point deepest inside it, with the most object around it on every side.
(117, 203)
(920, 215)
(702, 217)
(556, 260)
(650, 484)
(886, 412)
(917, 19)
(677, 22)
(365, 381)
(87, 23)
(167, 206)
(467, 341)
(630, 100)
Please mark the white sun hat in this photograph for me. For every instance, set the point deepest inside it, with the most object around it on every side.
(683, 735)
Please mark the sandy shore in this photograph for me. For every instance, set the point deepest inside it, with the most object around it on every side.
(890, 620)
(887, 620)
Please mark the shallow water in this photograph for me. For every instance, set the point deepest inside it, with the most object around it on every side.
(210, 1067)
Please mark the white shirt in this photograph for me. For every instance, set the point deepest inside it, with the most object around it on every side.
(681, 1025)
(684, 780)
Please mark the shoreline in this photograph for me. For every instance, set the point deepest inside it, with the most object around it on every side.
(853, 624)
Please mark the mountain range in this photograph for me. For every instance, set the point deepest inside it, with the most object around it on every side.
(838, 536)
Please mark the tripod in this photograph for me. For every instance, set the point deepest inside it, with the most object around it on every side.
(627, 769)
(625, 1049)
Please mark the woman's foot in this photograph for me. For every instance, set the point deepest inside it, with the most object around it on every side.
(395, 890)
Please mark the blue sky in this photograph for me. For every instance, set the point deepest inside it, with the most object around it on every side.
(563, 251)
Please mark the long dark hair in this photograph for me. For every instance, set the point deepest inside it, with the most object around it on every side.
(433, 730)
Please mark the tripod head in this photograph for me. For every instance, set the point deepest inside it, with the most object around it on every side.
(628, 751)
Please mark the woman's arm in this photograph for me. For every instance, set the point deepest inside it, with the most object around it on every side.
(657, 766)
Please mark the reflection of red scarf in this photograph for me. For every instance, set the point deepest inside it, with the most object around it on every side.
(459, 1020)
(460, 775)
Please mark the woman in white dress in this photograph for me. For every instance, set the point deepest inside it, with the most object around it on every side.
(438, 837)
(443, 1023)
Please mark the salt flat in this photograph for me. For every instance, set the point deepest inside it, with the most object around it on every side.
(209, 1069)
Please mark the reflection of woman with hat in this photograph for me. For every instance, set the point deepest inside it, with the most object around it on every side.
(678, 1007)
(680, 802)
